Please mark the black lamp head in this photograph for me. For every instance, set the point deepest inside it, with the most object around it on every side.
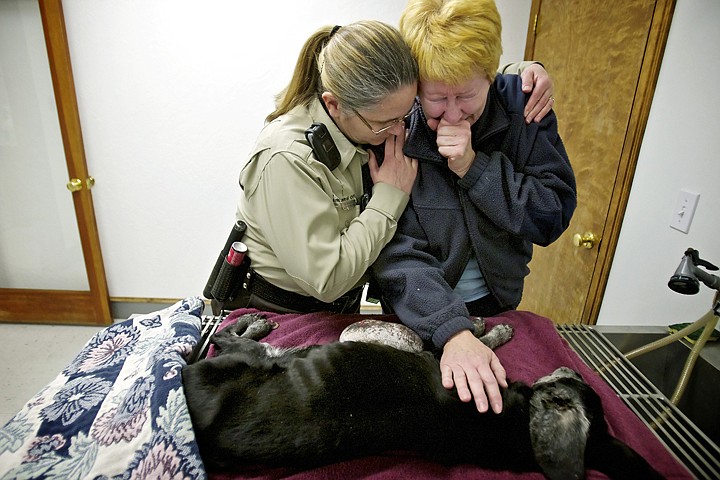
(685, 279)
(684, 285)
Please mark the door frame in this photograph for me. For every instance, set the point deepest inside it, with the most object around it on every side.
(647, 81)
(65, 306)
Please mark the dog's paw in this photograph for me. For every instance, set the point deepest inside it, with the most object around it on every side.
(242, 323)
(259, 328)
(478, 326)
(394, 335)
(498, 335)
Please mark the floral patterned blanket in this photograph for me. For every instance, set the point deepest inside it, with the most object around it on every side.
(117, 411)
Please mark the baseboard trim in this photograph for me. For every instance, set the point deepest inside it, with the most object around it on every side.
(122, 308)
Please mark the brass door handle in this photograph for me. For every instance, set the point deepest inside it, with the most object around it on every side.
(588, 240)
(75, 184)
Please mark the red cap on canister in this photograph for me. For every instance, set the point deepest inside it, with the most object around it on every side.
(236, 254)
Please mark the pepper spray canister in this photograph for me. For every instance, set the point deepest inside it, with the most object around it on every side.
(236, 234)
(228, 276)
(236, 255)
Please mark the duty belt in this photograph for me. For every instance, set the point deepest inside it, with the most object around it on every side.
(257, 285)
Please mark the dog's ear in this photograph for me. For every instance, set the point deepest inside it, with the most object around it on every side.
(516, 395)
(559, 429)
(617, 460)
(608, 454)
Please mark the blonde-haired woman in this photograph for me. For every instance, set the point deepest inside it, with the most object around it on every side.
(490, 184)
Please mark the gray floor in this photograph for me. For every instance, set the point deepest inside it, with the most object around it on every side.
(32, 356)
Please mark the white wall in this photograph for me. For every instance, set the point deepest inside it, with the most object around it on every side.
(679, 151)
(171, 95)
(173, 92)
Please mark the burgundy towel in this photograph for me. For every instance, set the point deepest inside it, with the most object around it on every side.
(535, 350)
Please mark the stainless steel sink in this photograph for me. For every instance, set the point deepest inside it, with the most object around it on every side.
(691, 431)
(663, 367)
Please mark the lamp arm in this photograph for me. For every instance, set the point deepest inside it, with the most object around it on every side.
(712, 281)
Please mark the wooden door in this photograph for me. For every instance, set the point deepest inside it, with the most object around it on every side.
(58, 305)
(604, 58)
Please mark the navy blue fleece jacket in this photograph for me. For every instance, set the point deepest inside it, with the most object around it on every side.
(519, 191)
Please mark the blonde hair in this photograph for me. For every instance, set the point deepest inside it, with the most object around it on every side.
(361, 64)
(453, 39)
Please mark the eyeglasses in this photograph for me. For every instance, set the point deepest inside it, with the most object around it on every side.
(392, 122)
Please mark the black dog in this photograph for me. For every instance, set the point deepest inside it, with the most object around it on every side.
(254, 404)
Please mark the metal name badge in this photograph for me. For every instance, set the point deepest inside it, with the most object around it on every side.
(345, 203)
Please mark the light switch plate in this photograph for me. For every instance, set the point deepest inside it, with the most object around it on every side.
(684, 210)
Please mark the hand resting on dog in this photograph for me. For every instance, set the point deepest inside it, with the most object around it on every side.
(474, 370)
(468, 362)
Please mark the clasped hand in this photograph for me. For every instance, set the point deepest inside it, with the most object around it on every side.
(396, 169)
(454, 141)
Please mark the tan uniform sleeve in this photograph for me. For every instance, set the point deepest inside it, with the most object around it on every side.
(324, 247)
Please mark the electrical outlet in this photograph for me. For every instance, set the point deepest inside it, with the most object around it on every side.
(684, 210)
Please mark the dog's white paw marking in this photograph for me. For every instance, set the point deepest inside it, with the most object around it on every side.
(394, 335)
(498, 335)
